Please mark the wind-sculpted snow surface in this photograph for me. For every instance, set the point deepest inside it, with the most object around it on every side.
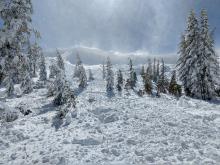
(123, 129)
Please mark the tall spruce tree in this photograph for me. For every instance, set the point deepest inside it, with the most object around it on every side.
(162, 83)
(203, 85)
(16, 33)
(148, 83)
(174, 88)
(103, 71)
(149, 69)
(43, 71)
(82, 77)
(119, 80)
(133, 76)
(154, 71)
(189, 51)
(77, 66)
(197, 65)
(157, 71)
(142, 71)
(60, 62)
(109, 76)
(91, 77)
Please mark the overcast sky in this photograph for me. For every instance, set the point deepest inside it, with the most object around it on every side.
(120, 25)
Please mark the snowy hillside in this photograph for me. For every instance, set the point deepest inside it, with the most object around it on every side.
(123, 129)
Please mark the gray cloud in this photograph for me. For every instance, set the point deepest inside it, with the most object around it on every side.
(121, 25)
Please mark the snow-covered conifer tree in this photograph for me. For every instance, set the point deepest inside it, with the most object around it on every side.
(34, 55)
(154, 71)
(149, 69)
(82, 77)
(133, 76)
(207, 68)
(91, 77)
(189, 51)
(109, 76)
(77, 66)
(174, 88)
(8, 81)
(142, 71)
(60, 62)
(52, 69)
(158, 71)
(16, 31)
(162, 83)
(197, 65)
(43, 71)
(119, 80)
(148, 84)
(103, 71)
(27, 84)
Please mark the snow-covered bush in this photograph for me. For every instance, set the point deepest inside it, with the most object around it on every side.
(7, 114)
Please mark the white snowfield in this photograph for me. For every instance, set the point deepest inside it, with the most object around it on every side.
(121, 130)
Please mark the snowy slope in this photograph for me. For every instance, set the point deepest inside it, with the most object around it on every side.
(124, 129)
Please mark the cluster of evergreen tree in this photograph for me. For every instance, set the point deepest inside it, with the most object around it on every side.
(198, 67)
(156, 75)
(60, 88)
(19, 58)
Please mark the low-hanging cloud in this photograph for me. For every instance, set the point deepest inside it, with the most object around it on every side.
(120, 25)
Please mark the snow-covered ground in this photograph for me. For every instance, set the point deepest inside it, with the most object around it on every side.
(123, 129)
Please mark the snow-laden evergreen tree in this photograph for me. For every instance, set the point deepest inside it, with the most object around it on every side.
(53, 71)
(60, 62)
(43, 71)
(59, 84)
(148, 83)
(77, 66)
(154, 71)
(142, 73)
(8, 81)
(82, 77)
(206, 72)
(149, 69)
(91, 77)
(119, 80)
(103, 71)
(15, 33)
(27, 84)
(132, 75)
(68, 101)
(157, 71)
(64, 97)
(189, 51)
(162, 83)
(197, 65)
(174, 88)
(109, 76)
(34, 54)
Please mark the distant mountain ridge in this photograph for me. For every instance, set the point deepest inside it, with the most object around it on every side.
(94, 56)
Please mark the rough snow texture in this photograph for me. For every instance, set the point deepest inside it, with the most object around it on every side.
(124, 129)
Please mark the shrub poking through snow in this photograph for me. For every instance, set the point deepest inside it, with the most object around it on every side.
(7, 114)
